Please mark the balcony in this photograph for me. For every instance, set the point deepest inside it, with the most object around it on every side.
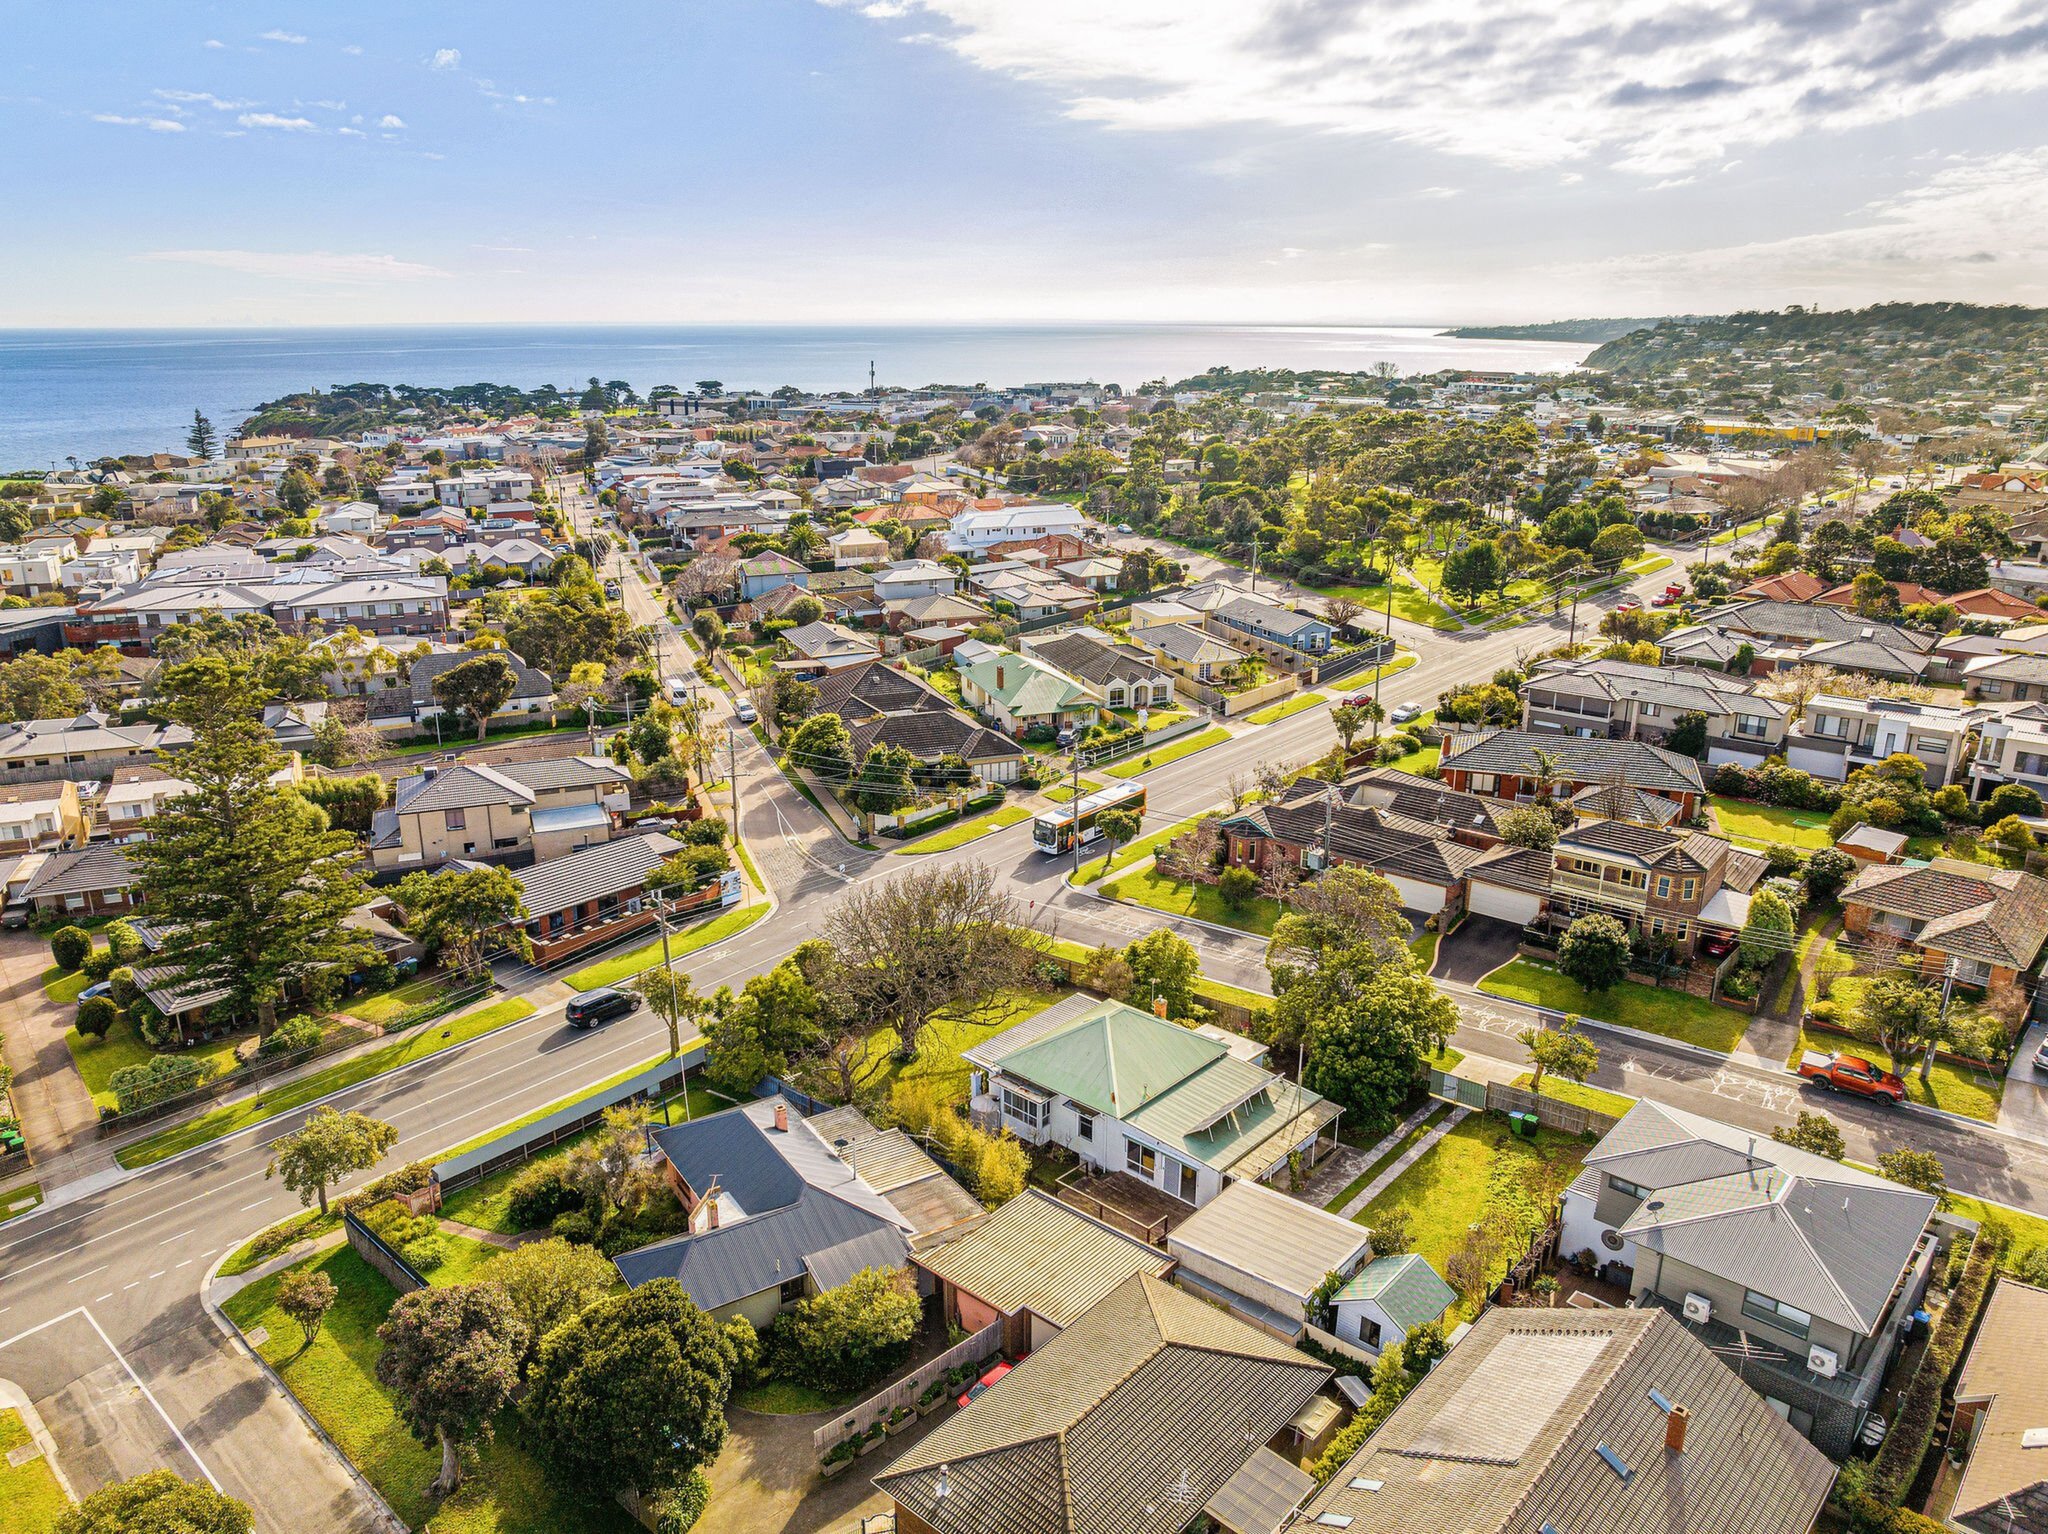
(1612, 892)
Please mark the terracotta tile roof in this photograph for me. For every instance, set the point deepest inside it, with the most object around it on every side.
(1997, 915)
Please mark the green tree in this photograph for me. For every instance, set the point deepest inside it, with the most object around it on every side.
(159, 1502)
(1368, 1026)
(329, 1147)
(249, 885)
(550, 1281)
(201, 440)
(776, 1018)
(60, 686)
(296, 493)
(670, 997)
(1827, 871)
(1814, 1132)
(1560, 1051)
(1349, 722)
(97, 1016)
(1594, 951)
(1768, 932)
(1900, 1016)
(460, 913)
(1340, 909)
(1119, 828)
(1615, 545)
(1165, 966)
(1237, 887)
(1916, 1169)
(451, 1361)
(1471, 572)
(709, 629)
(631, 1392)
(1688, 735)
(822, 744)
(846, 1337)
(478, 688)
(70, 947)
(885, 783)
(564, 627)
(306, 1295)
(1528, 826)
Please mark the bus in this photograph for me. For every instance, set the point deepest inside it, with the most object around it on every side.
(1057, 830)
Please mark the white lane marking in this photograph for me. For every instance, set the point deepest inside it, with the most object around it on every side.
(96, 1299)
(159, 1273)
(136, 1285)
(180, 1236)
(186, 1263)
(88, 1273)
(150, 1395)
(258, 1204)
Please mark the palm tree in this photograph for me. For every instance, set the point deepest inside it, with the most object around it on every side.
(804, 539)
(1545, 774)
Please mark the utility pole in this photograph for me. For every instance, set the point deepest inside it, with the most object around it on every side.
(1073, 806)
(1255, 564)
(1387, 654)
(732, 773)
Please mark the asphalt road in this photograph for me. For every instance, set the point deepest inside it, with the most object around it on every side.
(117, 1271)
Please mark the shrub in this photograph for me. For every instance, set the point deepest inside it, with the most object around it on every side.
(1237, 887)
(162, 1078)
(1867, 1515)
(122, 986)
(849, 1335)
(97, 965)
(423, 1254)
(574, 1226)
(69, 947)
(1898, 1462)
(538, 1195)
(1594, 951)
(291, 1036)
(97, 1014)
(125, 944)
(678, 1511)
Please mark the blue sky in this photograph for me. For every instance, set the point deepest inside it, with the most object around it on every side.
(960, 160)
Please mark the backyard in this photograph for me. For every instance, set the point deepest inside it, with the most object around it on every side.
(938, 1051)
(1628, 1003)
(1763, 824)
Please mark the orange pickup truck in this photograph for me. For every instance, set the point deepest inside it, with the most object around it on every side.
(1848, 1073)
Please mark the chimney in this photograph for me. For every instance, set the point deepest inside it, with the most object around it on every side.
(1159, 1006)
(999, 676)
(711, 1223)
(1674, 1427)
(781, 1117)
(430, 773)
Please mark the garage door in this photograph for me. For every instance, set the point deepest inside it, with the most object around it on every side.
(1417, 895)
(1517, 906)
(1829, 766)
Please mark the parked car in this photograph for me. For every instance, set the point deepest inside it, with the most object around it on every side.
(1405, 712)
(593, 1009)
(974, 1391)
(104, 988)
(1851, 1074)
(678, 689)
(611, 590)
(2041, 1057)
(746, 713)
(1628, 605)
(1066, 737)
(1665, 599)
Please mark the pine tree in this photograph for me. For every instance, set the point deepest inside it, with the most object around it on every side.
(246, 879)
(200, 441)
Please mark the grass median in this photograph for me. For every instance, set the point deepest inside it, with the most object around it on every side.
(1273, 713)
(960, 833)
(1173, 751)
(430, 1039)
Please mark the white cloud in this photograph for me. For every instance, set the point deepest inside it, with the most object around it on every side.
(1670, 183)
(213, 42)
(204, 99)
(1647, 88)
(154, 124)
(332, 106)
(1438, 192)
(884, 10)
(302, 265)
(445, 58)
(272, 120)
(390, 120)
(351, 47)
(348, 132)
(279, 35)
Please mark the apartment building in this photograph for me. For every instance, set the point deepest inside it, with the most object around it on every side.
(41, 817)
(1838, 735)
(1624, 701)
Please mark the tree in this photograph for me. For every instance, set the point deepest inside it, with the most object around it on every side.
(1594, 951)
(846, 1337)
(159, 1502)
(97, 1016)
(451, 1360)
(306, 1295)
(2012, 838)
(1916, 1169)
(462, 912)
(70, 947)
(1474, 570)
(821, 744)
(669, 997)
(1688, 735)
(326, 1149)
(478, 688)
(60, 686)
(1768, 932)
(1119, 828)
(1341, 909)
(631, 1392)
(709, 629)
(548, 1282)
(201, 440)
(1562, 1051)
(1349, 723)
(1900, 1016)
(1237, 887)
(1528, 826)
(1368, 1026)
(1165, 966)
(1814, 1132)
(1615, 545)
(296, 493)
(1827, 871)
(886, 781)
(246, 881)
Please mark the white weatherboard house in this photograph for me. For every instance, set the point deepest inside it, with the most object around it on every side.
(1265, 1255)
(974, 531)
(1387, 1299)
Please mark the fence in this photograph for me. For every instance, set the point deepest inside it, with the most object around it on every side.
(371, 1248)
(260, 1068)
(1363, 658)
(1137, 745)
(1550, 1113)
(1235, 703)
(904, 1392)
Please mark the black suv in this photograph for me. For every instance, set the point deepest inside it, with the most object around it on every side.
(592, 1009)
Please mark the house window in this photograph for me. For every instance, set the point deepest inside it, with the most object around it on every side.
(1651, 710)
(1786, 1318)
(1368, 1332)
(1084, 1123)
(1663, 886)
(1141, 1159)
(1751, 725)
(1023, 1108)
(1929, 744)
(1626, 1188)
(1482, 782)
(1691, 885)
(453, 820)
(792, 1289)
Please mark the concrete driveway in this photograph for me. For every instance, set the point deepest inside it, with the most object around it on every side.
(1481, 945)
(2024, 1109)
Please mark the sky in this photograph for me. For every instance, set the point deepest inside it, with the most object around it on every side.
(868, 161)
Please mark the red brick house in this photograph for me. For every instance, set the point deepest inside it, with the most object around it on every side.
(1520, 764)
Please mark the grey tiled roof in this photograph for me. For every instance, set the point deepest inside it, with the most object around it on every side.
(1620, 802)
(1515, 868)
(530, 684)
(1579, 760)
(929, 734)
(84, 871)
(870, 688)
(1093, 661)
(1426, 799)
(610, 868)
(1802, 620)
(558, 772)
(464, 786)
(1367, 837)
(1997, 915)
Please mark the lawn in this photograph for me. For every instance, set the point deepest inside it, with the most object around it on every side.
(1650, 1008)
(1155, 719)
(1764, 824)
(1477, 1165)
(20, 1199)
(785, 1398)
(1418, 763)
(29, 1493)
(1351, 686)
(388, 1006)
(1380, 1163)
(961, 832)
(622, 966)
(1201, 901)
(939, 1046)
(1423, 946)
(1136, 852)
(62, 987)
(1951, 1087)
(445, 1033)
(2028, 1230)
(1740, 530)
(1273, 713)
(336, 1380)
(1217, 990)
(98, 1059)
(1172, 751)
(1061, 793)
(1579, 1095)
(1410, 602)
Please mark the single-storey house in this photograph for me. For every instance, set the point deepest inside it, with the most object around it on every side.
(2001, 1420)
(1264, 1255)
(1992, 922)
(1387, 1299)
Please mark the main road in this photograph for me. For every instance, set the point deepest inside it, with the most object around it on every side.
(99, 1293)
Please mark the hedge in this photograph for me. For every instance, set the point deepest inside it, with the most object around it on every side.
(679, 1511)
(164, 1077)
(1898, 1462)
(1867, 1515)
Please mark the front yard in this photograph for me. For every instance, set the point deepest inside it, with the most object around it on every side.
(1764, 824)
(1172, 751)
(625, 965)
(1650, 1008)
(1951, 1087)
(1579, 1094)
(961, 832)
(938, 1050)
(1273, 713)
(98, 1059)
(1153, 889)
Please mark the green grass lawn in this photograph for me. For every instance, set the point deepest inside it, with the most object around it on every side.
(1172, 751)
(1476, 1165)
(1352, 686)
(1062, 793)
(1648, 566)
(2028, 1231)
(1155, 719)
(1951, 1087)
(31, 1501)
(1579, 1094)
(1380, 1163)
(1763, 824)
(625, 965)
(1217, 990)
(1423, 946)
(938, 1049)
(1671, 1013)
(98, 1059)
(1151, 888)
(1740, 530)
(1136, 852)
(1272, 713)
(62, 986)
(1418, 763)
(1410, 602)
(389, 1006)
(961, 832)
(443, 1033)
(19, 1200)
(785, 1398)
(336, 1380)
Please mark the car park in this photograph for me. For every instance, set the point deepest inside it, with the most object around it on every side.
(593, 1009)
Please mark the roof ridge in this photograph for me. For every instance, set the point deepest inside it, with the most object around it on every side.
(1558, 1442)
(1820, 1263)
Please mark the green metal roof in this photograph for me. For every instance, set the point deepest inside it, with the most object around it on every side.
(1405, 1287)
(1029, 686)
(1115, 1059)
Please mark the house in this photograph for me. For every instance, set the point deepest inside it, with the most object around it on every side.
(1791, 586)
(864, 691)
(812, 648)
(2013, 749)
(1037, 1265)
(97, 880)
(1782, 632)
(31, 572)
(2001, 1408)
(2019, 578)
(932, 734)
(857, 546)
(598, 895)
(532, 691)
(91, 739)
(1839, 735)
(2020, 678)
(910, 579)
(1872, 655)
(1031, 594)
(1379, 1305)
(975, 532)
(1904, 593)
(1098, 572)
(764, 572)
(1127, 1091)
(1621, 700)
(1510, 764)
(1871, 844)
(1149, 1412)
(1808, 1263)
(1281, 626)
(1124, 674)
(1986, 603)
(1465, 818)
(1187, 650)
(1312, 826)
(1160, 612)
(1021, 692)
(1264, 1256)
(1568, 1421)
(507, 813)
(1984, 925)
(41, 817)
(350, 519)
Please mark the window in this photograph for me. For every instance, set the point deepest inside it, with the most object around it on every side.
(1930, 745)
(792, 1289)
(1085, 1122)
(1786, 1318)
(1140, 1159)
(1023, 1108)
(453, 820)
(1690, 886)
(1626, 1188)
(1368, 1332)
(1482, 783)
(1663, 886)
(1751, 725)
(1651, 710)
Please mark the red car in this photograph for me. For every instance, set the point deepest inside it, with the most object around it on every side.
(1851, 1074)
(1628, 605)
(988, 1379)
(1665, 600)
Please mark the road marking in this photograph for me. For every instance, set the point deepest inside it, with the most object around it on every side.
(88, 1273)
(136, 1285)
(96, 1299)
(186, 1263)
(258, 1204)
(159, 1273)
(180, 1236)
(150, 1395)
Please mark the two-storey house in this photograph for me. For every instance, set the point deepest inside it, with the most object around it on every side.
(509, 813)
(2013, 748)
(1674, 885)
(41, 817)
(1838, 735)
(1527, 764)
(1796, 1270)
(1624, 701)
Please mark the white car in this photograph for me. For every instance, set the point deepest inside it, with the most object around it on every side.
(746, 713)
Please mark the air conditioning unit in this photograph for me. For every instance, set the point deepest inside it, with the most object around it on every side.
(1823, 1361)
(1698, 1308)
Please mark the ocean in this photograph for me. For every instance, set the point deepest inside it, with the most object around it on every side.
(91, 393)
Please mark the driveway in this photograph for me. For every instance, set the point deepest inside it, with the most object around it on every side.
(765, 1480)
(54, 1105)
(1481, 945)
(2024, 1110)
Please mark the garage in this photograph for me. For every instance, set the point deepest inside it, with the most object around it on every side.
(1510, 905)
(1828, 766)
(1417, 895)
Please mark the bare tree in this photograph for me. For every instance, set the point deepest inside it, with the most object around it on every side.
(1340, 610)
(1272, 778)
(1237, 788)
(1799, 686)
(708, 575)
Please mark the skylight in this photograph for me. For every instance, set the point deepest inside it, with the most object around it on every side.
(1614, 1463)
